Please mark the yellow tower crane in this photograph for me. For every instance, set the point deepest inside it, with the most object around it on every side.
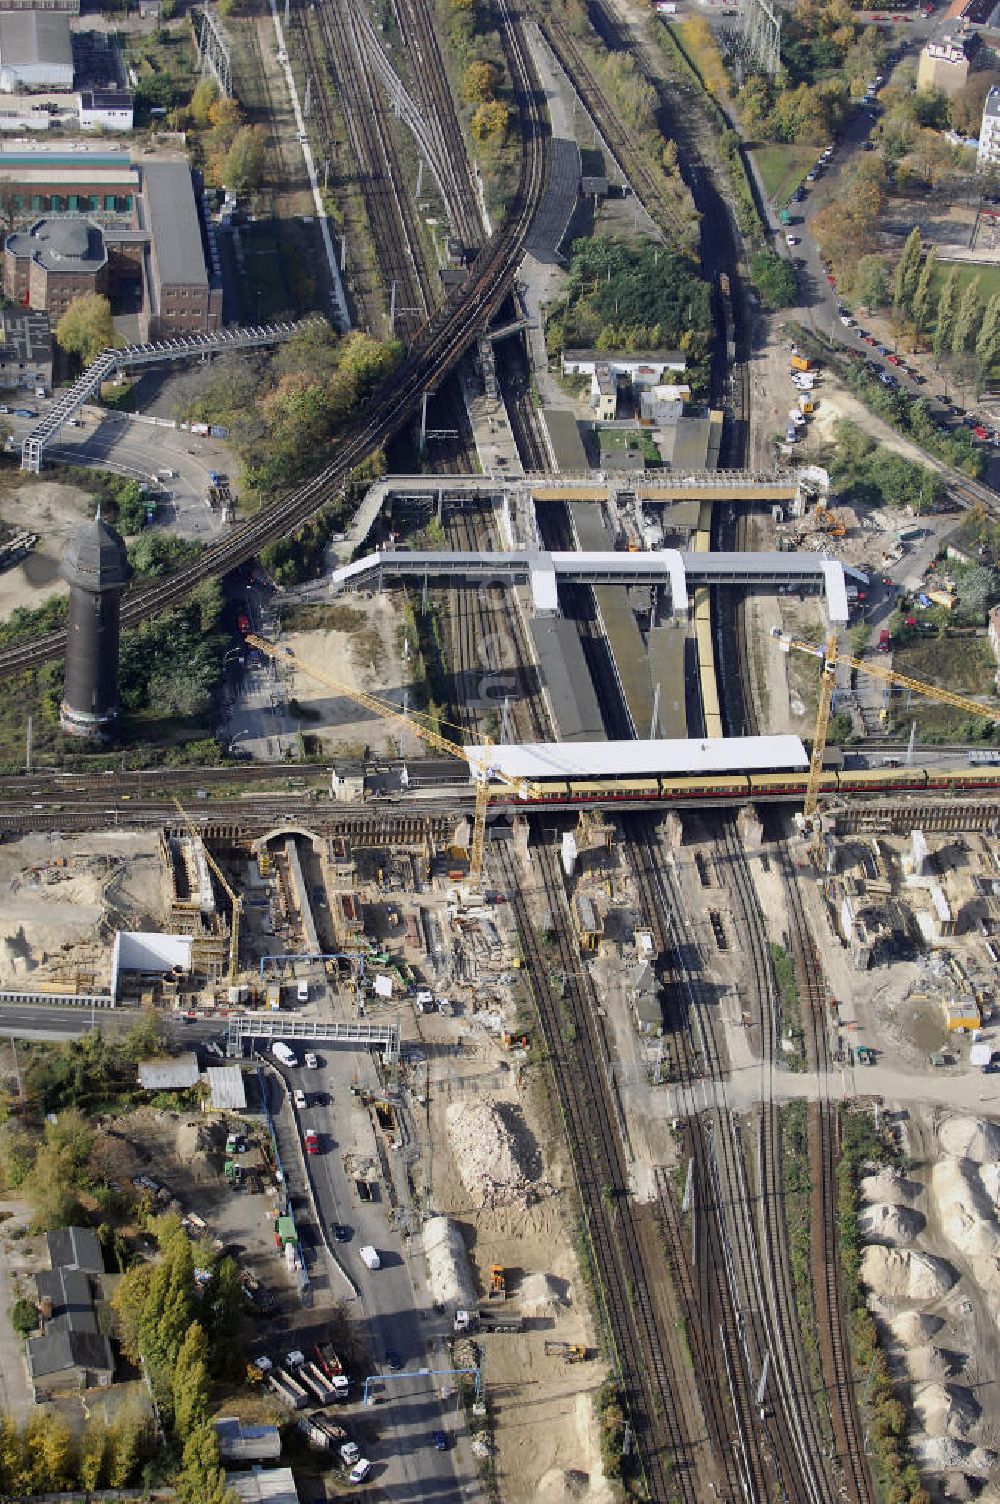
(235, 902)
(831, 657)
(481, 768)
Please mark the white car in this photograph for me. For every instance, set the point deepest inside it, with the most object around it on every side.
(791, 240)
(263, 1363)
(847, 321)
(300, 1099)
(312, 1061)
(360, 1470)
(349, 1453)
(282, 1053)
(295, 1358)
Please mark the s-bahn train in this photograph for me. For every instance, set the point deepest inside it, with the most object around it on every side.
(739, 786)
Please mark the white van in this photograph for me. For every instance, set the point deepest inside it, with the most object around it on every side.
(302, 992)
(369, 1257)
(286, 1056)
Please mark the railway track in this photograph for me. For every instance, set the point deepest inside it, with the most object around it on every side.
(619, 1233)
(831, 1312)
(368, 122)
(433, 354)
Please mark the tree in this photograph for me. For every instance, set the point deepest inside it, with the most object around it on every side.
(49, 1453)
(491, 122)
(190, 1381)
(128, 1303)
(202, 1479)
(967, 107)
(126, 1444)
(246, 160)
(775, 280)
(225, 118)
(93, 1455)
(947, 308)
(988, 339)
(480, 82)
(966, 317)
(24, 1317)
(921, 306)
(871, 283)
(904, 282)
(86, 328)
(204, 97)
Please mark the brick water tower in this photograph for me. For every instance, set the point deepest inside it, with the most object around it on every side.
(96, 568)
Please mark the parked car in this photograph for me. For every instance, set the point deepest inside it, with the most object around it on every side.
(300, 1099)
(312, 1061)
(791, 240)
(440, 1440)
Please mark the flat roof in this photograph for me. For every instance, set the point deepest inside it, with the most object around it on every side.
(628, 652)
(564, 436)
(169, 1072)
(228, 1089)
(33, 37)
(41, 175)
(567, 679)
(592, 532)
(722, 754)
(168, 197)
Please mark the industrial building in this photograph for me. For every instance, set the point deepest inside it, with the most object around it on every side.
(96, 568)
(36, 50)
(25, 349)
(55, 261)
(105, 109)
(125, 223)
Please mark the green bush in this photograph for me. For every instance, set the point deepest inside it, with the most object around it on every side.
(24, 1317)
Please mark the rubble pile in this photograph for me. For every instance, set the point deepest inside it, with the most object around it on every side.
(493, 1158)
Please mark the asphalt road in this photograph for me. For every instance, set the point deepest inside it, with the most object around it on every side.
(399, 1319)
(142, 449)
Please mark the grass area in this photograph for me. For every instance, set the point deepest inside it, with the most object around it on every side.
(963, 664)
(795, 1177)
(620, 441)
(793, 1041)
(988, 274)
(782, 168)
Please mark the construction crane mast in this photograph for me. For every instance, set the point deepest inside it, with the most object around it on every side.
(235, 901)
(830, 658)
(483, 771)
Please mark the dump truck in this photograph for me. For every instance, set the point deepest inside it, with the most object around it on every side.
(489, 1319)
(316, 1381)
(801, 363)
(321, 1433)
(328, 1360)
(287, 1391)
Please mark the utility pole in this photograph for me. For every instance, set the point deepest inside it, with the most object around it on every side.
(27, 747)
(392, 331)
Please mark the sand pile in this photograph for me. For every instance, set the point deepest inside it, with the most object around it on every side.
(449, 1272)
(966, 1211)
(892, 1225)
(897, 1274)
(890, 1187)
(968, 1138)
(914, 1328)
(946, 1410)
(927, 1365)
(493, 1152)
(943, 1454)
(542, 1295)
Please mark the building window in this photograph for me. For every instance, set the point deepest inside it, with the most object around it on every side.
(73, 202)
(109, 201)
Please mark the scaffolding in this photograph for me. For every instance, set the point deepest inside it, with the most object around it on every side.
(213, 52)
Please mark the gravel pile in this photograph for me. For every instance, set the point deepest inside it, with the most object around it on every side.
(899, 1276)
(494, 1152)
(892, 1225)
(968, 1138)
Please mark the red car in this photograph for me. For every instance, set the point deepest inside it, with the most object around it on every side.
(831, 279)
(981, 432)
(869, 339)
(243, 622)
(312, 1141)
(894, 360)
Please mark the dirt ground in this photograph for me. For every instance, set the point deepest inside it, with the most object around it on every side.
(543, 1408)
(54, 511)
(55, 890)
(365, 654)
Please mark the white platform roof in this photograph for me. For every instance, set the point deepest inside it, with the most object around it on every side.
(640, 759)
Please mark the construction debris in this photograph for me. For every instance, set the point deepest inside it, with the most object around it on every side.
(488, 1140)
